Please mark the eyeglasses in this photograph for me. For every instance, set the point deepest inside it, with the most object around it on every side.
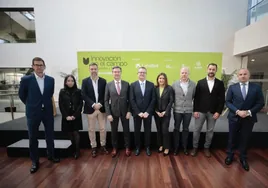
(142, 72)
(37, 65)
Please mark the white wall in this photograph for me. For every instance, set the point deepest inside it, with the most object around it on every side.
(251, 38)
(64, 27)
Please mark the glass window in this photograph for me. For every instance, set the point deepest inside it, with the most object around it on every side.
(17, 25)
(257, 10)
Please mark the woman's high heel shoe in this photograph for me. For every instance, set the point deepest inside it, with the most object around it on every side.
(166, 152)
(160, 150)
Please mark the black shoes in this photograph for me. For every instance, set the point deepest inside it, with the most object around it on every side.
(137, 152)
(244, 164)
(53, 159)
(34, 167)
(228, 160)
(104, 150)
(148, 152)
(185, 151)
(94, 152)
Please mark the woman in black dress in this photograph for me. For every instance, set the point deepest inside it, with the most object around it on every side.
(70, 103)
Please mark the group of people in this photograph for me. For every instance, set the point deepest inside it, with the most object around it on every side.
(142, 99)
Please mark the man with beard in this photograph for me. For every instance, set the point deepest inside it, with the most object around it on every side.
(208, 105)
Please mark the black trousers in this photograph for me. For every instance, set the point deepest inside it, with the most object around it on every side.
(147, 124)
(184, 119)
(114, 128)
(243, 127)
(33, 128)
(162, 125)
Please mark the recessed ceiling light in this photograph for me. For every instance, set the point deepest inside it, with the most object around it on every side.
(252, 59)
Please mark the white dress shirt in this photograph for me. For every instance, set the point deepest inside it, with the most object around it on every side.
(142, 89)
(184, 86)
(210, 84)
(40, 82)
(96, 92)
(120, 85)
(241, 86)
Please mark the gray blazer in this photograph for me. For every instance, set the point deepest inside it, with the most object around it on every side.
(117, 105)
(183, 103)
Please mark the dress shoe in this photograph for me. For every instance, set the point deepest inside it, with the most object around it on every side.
(53, 159)
(148, 151)
(34, 168)
(244, 164)
(114, 153)
(207, 152)
(128, 152)
(94, 152)
(228, 160)
(137, 152)
(160, 149)
(194, 152)
(185, 151)
(76, 155)
(175, 152)
(104, 150)
(166, 152)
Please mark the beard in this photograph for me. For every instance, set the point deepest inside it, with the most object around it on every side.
(211, 74)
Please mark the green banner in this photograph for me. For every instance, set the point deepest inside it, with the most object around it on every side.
(155, 62)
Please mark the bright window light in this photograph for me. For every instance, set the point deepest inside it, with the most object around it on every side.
(28, 15)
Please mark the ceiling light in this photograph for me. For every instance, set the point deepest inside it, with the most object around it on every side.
(252, 59)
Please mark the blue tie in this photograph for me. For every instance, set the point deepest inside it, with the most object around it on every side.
(244, 93)
(142, 88)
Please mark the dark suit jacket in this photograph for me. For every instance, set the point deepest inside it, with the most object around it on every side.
(117, 105)
(165, 102)
(89, 95)
(204, 101)
(254, 100)
(31, 96)
(140, 103)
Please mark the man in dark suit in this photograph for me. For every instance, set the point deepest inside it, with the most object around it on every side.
(93, 90)
(36, 91)
(142, 99)
(209, 101)
(117, 106)
(244, 100)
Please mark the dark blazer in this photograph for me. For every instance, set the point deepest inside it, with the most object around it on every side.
(204, 101)
(89, 95)
(117, 105)
(31, 96)
(71, 104)
(165, 102)
(254, 100)
(140, 103)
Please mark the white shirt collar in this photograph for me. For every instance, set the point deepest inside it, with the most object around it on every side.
(245, 83)
(142, 82)
(38, 77)
(210, 80)
(117, 81)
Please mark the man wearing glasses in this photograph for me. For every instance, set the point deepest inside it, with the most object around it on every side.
(142, 100)
(36, 91)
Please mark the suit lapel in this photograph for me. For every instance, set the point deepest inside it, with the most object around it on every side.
(239, 90)
(139, 88)
(164, 91)
(158, 92)
(45, 84)
(113, 88)
(90, 82)
(249, 90)
(36, 84)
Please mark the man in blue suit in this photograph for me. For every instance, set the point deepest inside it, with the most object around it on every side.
(244, 100)
(36, 91)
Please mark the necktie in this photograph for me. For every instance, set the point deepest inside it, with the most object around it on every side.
(118, 88)
(244, 93)
(142, 88)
